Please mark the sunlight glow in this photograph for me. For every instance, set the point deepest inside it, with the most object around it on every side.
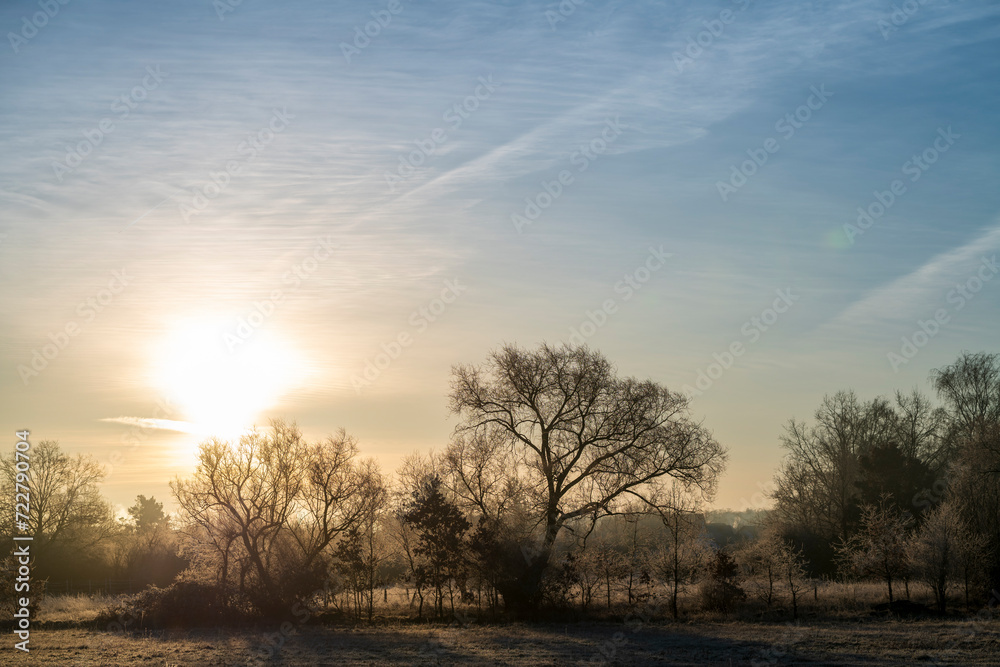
(222, 386)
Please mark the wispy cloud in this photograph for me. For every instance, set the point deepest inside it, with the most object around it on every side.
(159, 424)
(918, 291)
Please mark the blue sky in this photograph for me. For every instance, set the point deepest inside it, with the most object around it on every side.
(307, 213)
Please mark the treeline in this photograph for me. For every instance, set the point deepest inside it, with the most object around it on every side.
(564, 486)
(901, 488)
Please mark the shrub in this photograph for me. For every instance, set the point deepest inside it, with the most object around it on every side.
(183, 604)
(722, 591)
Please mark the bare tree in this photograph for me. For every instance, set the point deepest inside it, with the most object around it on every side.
(361, 552)
(685, 552)
(271, 506)
(761, 561)
(880, 547)
(791, 564)
(580, 439)
(66, 513)
(936, 552)
(816, 486)
(921, 429)
(970, 388)
(771, 561)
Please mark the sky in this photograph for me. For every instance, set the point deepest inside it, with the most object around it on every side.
(216, 213)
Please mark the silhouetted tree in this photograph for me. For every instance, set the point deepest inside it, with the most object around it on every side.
(271, 507)
(817, 484)
(970, 388)
(67, 516)
(146, 547)
(936, 551)
(441, 529)
(579, 440)
(685, 551)
(889, 471)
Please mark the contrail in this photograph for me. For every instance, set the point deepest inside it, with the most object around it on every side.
(146, 213)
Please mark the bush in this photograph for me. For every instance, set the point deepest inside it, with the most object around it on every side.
(183, 604)
(722, 591)
(721, 596)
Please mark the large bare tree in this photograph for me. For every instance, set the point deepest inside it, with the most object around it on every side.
(574, 438)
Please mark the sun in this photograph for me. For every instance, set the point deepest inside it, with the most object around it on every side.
(223, 384)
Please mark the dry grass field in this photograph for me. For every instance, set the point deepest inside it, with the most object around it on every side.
(885, 643)
(837, 628)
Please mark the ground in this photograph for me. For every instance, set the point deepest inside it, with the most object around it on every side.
(873, 642)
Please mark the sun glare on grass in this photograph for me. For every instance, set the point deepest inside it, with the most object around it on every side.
(223, 384)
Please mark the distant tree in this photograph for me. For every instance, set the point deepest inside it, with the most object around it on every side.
(441, 529)
(146, 548)
(791, 563)
(685, 551)
(147, 513)
(636, 545)
(602, 563)
(591, 565)
(970, 388)
(67, 514)
(817, 484)
(722, 590)
(937, 549)
(771, 561)
(579, 440)
(611, 567)
(880, 547)
(761, 560)
(888, 470)
(483, 475)
(361, 553)
(921, 431)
